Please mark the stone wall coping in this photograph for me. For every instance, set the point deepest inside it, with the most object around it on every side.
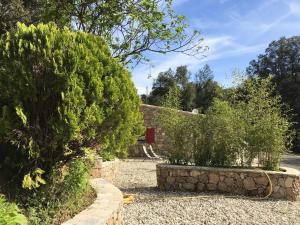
(286, 170)
(109, 200)
(160, 107)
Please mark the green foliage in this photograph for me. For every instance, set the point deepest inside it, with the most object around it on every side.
(282, 60)
(180, 129)
(62, 95)
(198, 94)
(62, 196)
(130, 27)
(253, 127)
(268, 128)
(30, 183)
(10, 213)
(224, 133)
(11, 12)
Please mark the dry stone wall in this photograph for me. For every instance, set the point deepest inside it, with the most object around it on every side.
(106, 170)
(251, 182)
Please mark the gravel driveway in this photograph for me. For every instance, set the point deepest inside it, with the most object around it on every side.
(153, 207)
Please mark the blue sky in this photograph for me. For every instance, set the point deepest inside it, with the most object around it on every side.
(235, 31)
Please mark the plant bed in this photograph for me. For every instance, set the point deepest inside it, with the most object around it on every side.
(284, 184)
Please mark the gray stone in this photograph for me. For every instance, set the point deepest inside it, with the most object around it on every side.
(211, 187)
(170, 180)
(229, 181)
(189, 186)
(261, 180)
(203, 178)
(192, 180)
(180, 179)
(281, 181)
(222, 186)
(276, 188)
(164, 173)
(213, 178)
(195, 173)
(184, 173)
(200, 187)
(282, 192)
(249, 184)
(288, 182)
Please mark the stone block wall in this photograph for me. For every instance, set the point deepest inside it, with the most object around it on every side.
(106, 170)
(251, 182)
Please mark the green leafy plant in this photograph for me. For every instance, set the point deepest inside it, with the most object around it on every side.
(180, 129)
(67, 192)
(252, 126)
(10, 213)
(268, 129)
(224, 134)
(61, 94)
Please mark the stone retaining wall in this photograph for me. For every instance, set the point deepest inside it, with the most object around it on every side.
(107, 208)
(252, 182)
(106, 170)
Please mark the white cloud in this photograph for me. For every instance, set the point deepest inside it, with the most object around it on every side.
(219, 47)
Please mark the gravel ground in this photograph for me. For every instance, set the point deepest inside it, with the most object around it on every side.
(153, 207)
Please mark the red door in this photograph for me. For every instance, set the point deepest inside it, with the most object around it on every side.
(150, 135)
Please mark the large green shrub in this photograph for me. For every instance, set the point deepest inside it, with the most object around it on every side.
(62, 96)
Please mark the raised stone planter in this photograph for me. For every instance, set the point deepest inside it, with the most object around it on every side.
(106, 170)
(252, 182)
(107, 208)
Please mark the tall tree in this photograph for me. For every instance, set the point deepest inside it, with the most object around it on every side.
(188, 96)
(204, 74)
(182, 76)
(170, 79)
(207, 88)
(12, 11)
(282, 60)
(131, 27)
(161, 86)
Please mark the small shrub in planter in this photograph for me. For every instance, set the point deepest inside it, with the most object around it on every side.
(268, 130)
(62, 96)
(224, 133)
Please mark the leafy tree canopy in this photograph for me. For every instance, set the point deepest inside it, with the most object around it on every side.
(131, 27)
(282, 60)
(198, 94)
